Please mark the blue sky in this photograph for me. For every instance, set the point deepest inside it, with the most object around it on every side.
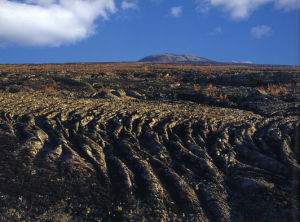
(59, 31)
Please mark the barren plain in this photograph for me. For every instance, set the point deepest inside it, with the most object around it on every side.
(144, 142)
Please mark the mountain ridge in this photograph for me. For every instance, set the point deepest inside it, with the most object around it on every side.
(177, 59)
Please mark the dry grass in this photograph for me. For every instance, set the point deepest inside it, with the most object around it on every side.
(133, 67)
(134, 78)
(214, 92)
(52, 88)
(211, 87)
(218, 95)
(275, 90)
(210, 90)
(197, 87)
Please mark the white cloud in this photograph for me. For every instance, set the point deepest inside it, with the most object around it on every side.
(244, 62)
(241, 9)
(203, 6)
(287, 5)
(129, 5)
(50, 22)
(261, 31)
(217, 31)
(247, 62)
(176, 11)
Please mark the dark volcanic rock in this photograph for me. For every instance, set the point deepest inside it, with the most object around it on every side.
(149, 142)
(101, 160)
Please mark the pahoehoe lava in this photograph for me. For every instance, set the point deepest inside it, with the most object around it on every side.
(91, 159)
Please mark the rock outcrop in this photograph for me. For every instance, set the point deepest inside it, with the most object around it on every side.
(144, 142)
(129, 160)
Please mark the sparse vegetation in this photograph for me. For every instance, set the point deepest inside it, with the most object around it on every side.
(276, 90)
(143, 142)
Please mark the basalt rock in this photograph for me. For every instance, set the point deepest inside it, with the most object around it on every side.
(145, 142)
(130, 160)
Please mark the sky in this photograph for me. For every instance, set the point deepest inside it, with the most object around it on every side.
(63, 31)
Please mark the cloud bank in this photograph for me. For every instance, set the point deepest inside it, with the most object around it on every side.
(50, 22)
(261, 31)
(241, 9)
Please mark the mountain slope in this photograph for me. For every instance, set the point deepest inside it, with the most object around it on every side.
(174, 58)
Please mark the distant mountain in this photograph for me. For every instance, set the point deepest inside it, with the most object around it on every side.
(177, 59)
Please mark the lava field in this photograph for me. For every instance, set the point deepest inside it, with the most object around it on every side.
(141, 142)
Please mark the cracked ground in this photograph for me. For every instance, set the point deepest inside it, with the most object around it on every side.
(137, 142)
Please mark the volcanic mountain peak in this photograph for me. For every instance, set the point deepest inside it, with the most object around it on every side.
(175, 58)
